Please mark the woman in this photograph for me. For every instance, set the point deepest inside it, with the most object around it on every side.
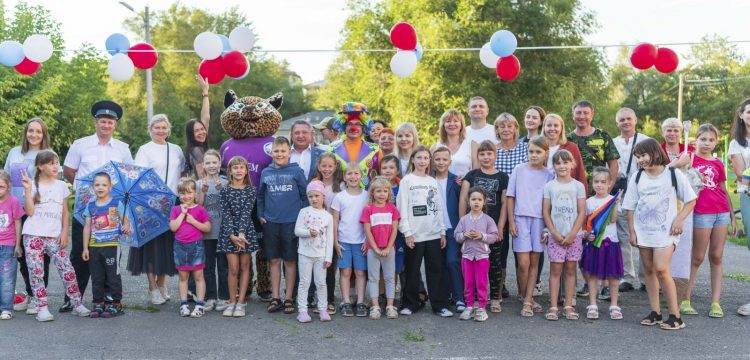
(407, 139)
(452, 130)
(156, 257)
(196, 137)
(387, 140)
(21, 159)
(672, 132)
(377, 127)
(533, 122)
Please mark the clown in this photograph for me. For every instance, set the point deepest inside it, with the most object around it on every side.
(354, 121)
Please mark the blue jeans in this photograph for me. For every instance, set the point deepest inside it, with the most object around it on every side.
(8, 266)
(453, 277)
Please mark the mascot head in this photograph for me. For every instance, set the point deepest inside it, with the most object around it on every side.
(251, 116)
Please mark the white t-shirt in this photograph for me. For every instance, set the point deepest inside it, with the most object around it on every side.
(654, 203)
(736, 148)
(485, 133)
(550, 154)
(404, 166)
(563, 199)
(47, 218)
(594, 203)
(624, 149)
(350, 210)
(461, 159)
(154, 155)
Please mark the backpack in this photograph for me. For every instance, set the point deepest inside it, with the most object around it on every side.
(671, 173)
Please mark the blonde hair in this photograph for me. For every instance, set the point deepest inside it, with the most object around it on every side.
(541, 142)
(707, 128)
(5, 176)
(507, 117)
(212, 152)
(379, 182)
(671, 122)
(235, 161)
(186, 184)
(410, 127)
(451, 114)
(563, 138)
(160, 118)
(354, 166)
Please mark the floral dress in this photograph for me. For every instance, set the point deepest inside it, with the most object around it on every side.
(236, 207)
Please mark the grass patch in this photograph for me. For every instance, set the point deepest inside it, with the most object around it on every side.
(413, 336)
(739, 276)
(152, 309)
(281, 321)
(329, 336)
(741, 241)
(149, 309)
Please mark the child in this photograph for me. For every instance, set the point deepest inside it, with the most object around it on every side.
(209, 195)
(105, 220)
(424, 230)
(46, 231)
(494, 183)
(349, 239)
(655, 225)
(564, 210)
(380, 218)
(476, 231)
(314, 227)
(10, 244)
(525, 220)
(713, 214)
(189, 221)
(390, 169)
(604, 262)
(237, 238)
(281, 196)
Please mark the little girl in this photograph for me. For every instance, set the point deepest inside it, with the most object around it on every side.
(655, 225)
(189, 221)
(10, 244)
(314, 228)
(422, 224)
(237, 238)
(349, 239)
(46, 231)
(524, 202)
(713, 214)
(476, 230)
(604, 262)
(380, 218)
(564, 210)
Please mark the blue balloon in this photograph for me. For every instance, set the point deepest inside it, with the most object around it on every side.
(11, 53)
(245, 74)
(117, 43)
(420, 51)
(503, 43)
(226, 45)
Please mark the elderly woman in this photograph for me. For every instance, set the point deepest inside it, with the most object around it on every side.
(387, 140)
(196, 136)
(156, 257)
(452, 131)
(739, 152)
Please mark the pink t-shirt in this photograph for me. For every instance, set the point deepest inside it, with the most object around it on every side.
(711, 200)
(188, 233)
(10, 211)
(381, 222)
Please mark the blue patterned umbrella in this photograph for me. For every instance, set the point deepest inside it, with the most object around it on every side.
(146, 197)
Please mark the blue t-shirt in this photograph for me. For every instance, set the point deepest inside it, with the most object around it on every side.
(106, 222)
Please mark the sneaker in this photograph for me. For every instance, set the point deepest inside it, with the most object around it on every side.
(626, 286)
(198, 311)
(6, 315)
(460, 306)
(43, 315)
(265, 297)
(405, 311)
(184, 310)
(324, 316)
(584, 291)
(67, 307)
(481, 315)
(239, 310)
(228, 311)
(97, 311)
(156, 297)
(391, 312)
(209, 305)
(346, 310)
(361, 310)
(304, 317)
(220, 305)
(81, 311)
(164, 294)
(21, 302)
(444, 313)
(466, 314)
(32, 310)
(604, 294)
(374, 312)
(537, 290)
(114, 309)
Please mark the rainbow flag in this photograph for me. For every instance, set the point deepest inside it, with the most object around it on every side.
(598, 220)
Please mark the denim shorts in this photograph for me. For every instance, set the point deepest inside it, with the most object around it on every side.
(708, 221)
(352, 257)
(189, 256)
(279, 241)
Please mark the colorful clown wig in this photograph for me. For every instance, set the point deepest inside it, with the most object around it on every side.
(353, 111)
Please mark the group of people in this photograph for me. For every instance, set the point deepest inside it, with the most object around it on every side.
(375, 204)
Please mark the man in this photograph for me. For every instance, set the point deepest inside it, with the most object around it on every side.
(304, 153)
(327, 131)
(354, 120)
(626, 121)
(84, 156)
(480, 130)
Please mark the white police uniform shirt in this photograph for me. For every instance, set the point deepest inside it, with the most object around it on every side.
(88, 154)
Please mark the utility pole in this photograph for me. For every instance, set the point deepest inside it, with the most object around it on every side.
(679, 96)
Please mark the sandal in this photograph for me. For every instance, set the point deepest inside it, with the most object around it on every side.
(536, 307)
(615, 313)
(652, 319)
(526, 310)
(274, 305)
(686, 308)
(673, 323)
(570, 313)
(744, 310)
(331, 309)
(551, 314)
(592, 312)
(495, 306)
(288, 307)
(716, 311)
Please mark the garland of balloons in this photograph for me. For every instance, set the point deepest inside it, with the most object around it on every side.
(646, 55)
(26, 58)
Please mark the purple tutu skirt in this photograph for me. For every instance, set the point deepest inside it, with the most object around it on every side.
(603, 262)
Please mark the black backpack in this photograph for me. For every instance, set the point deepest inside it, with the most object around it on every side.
(671, 173)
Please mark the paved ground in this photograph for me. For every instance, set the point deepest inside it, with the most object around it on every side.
(140, 334)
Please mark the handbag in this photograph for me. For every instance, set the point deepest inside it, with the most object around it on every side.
(621, 183)
(695, 178)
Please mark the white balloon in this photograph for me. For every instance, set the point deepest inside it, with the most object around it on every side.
(488, 58)
(208, 45)
(120, 67)
(242, 39)
(404, 63)
(38, 48)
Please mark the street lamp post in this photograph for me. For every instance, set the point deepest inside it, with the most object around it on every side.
(149, 78)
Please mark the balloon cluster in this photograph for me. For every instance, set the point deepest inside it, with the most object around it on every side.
(646, 55)
(224, 56)
(409, 53)
(498, 54)
(26, 58)
(126, 58)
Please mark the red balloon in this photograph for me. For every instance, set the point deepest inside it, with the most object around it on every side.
(145, 58)
(235, 64)
(27, 67)
(643, 56)
(213, 70)
(403, 36)
(666, 60)
(508, 68)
